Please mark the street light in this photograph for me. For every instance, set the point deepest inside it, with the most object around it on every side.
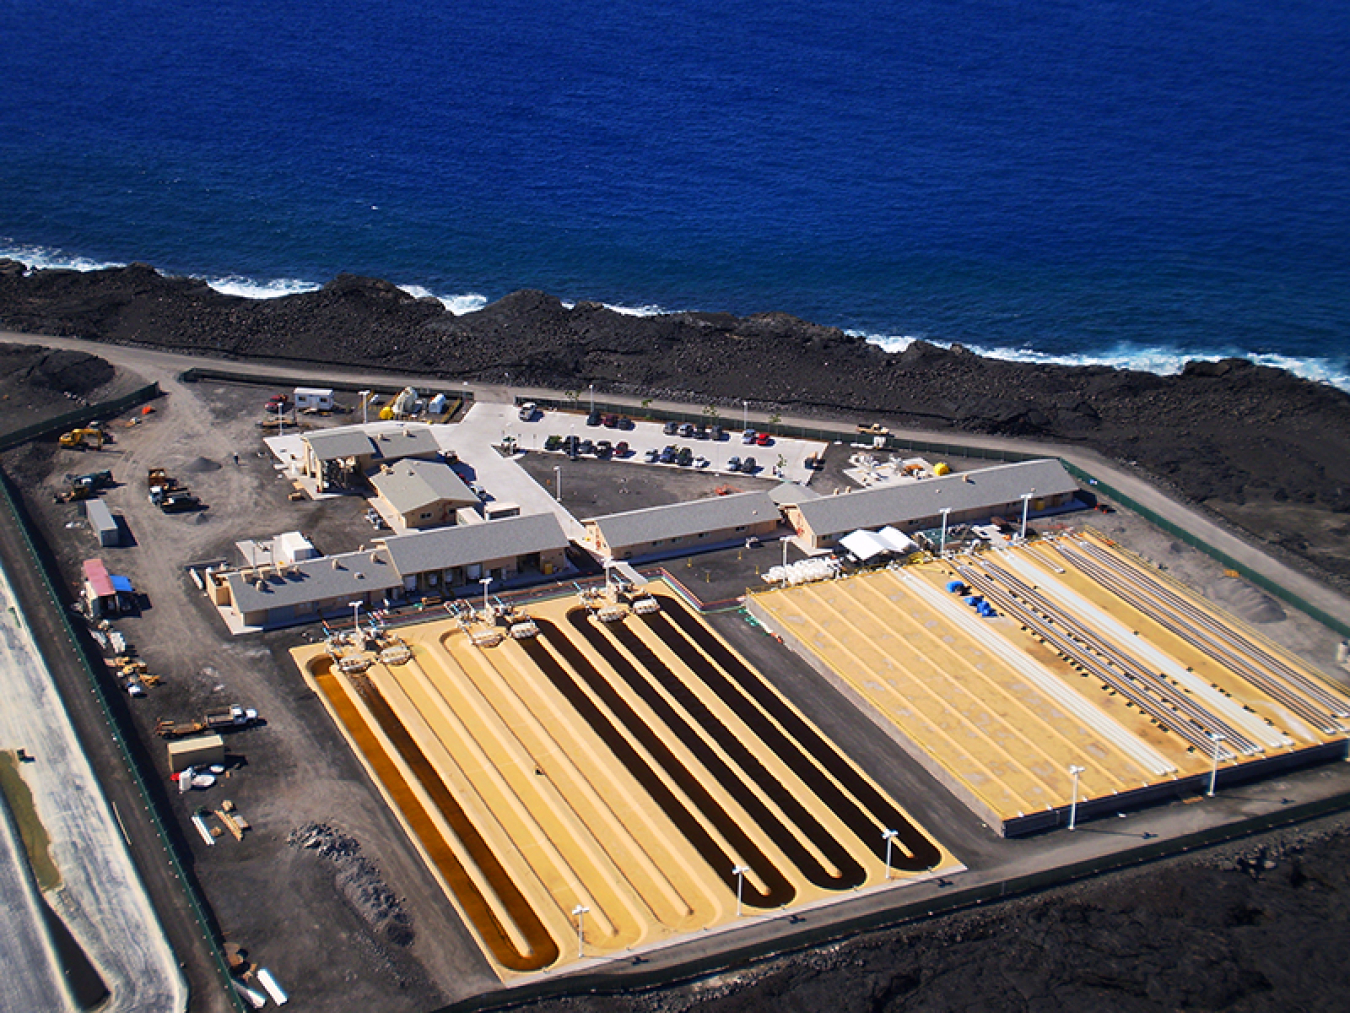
(485, 581)
(592, 399)
(355, 606)
(888, 836)
(1026, 504)
(739, 872)
(1075, 770)
(580, 912)
(942, 550)
(745, 415)
(1214, 768)
(557, 472)
(365, 405)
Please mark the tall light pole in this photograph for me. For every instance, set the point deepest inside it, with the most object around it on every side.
(745, 415)
(739, 872)
(1074, 770)
(365, 406)
(557, 474)
(1026, 505)
(356, 609)
(888, 836)
(942, 550)
(592, 399)
(580, 913)
(486, 582)
(1214, 767)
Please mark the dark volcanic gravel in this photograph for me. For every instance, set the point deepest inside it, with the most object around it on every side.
(1265, 449)
(1254, 927)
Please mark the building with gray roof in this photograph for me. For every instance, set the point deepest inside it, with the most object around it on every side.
(968, 496)
(398, 567)
(337, 458)
(683, 527)
(274, 596)
(504, 550)
(414, 494)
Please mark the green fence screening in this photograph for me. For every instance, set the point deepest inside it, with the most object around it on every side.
(1195, 541)
(80, 416)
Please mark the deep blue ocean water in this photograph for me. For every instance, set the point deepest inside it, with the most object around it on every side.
(1129, 182)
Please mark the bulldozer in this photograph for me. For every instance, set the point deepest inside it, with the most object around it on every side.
(82, 439)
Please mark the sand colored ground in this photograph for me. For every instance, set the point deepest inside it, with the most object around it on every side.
(1003, 713)
(626, 768)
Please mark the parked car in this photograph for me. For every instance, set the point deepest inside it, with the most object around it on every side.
(376, 521)
(621, 449)
(603, 448)
(668, 455)
(652, 456)
(718, 433)
(586, 447)
(527, 411)
(701, 462)
(687, 430)
(749, 436)
(701, 433)
(764, 439)
(749, 466)
(685, 457)
(554, 442)
(733, 463)
(625, 423)
(610, 421)
(670, 428)
(593, 419)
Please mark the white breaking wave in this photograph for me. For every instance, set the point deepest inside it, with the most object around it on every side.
(45, 258)
(251, 288)
(469, 302)
(627, 311)
(1147, 359)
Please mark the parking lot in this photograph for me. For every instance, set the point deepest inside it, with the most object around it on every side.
(709, 448)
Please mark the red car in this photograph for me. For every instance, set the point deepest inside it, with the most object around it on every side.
(763, 439)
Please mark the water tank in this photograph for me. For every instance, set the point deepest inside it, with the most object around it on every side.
(942, 468)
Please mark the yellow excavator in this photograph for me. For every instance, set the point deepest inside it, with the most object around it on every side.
(80, 439)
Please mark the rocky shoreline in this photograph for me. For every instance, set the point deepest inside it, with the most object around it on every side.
(1268, 451)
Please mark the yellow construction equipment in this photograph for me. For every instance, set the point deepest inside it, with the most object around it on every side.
(80, 439)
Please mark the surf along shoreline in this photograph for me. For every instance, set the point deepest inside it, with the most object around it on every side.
(1258, 447)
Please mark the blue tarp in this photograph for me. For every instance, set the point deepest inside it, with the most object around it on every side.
(122, 585)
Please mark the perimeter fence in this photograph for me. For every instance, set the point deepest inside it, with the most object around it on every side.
(623, 981)
(1195, 541)
(12, 506)
(80, 416)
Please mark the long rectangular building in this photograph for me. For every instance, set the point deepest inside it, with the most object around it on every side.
(396, 568)
(912, 506)
(676, 528)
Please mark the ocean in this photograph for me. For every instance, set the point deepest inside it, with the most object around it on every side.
(1134, 183)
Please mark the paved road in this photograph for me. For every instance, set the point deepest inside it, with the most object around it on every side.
(1132, 483)
(101, 900)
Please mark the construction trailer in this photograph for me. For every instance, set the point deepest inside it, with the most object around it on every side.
(319, 399)
(198, 751)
